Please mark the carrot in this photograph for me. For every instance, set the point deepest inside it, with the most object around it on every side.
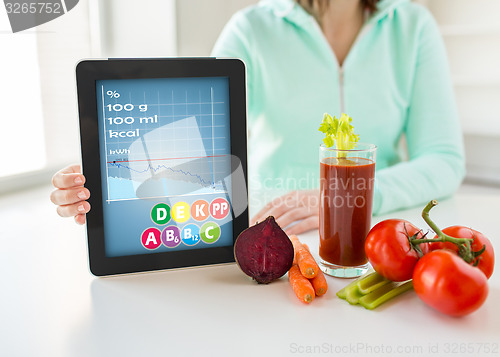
(319, 281)
(319, 284)
(301, 286)
(307, 265)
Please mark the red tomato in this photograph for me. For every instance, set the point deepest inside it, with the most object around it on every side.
(486, 259)
(447, 283)
(389, 251)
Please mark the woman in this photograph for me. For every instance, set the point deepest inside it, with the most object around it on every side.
(382, 62)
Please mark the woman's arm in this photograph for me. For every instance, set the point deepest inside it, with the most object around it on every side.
(436, 163)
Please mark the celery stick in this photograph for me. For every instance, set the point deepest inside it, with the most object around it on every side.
(353, 295)
(371, 282)
(384, 294)
(342, 292)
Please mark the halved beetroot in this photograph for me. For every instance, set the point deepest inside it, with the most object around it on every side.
(263, 251)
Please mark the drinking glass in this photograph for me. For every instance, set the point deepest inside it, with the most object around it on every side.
(346, 197)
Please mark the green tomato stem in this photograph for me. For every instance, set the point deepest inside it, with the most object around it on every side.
(441, 237)
(463, 244)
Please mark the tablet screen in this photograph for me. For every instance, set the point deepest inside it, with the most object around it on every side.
(165, 164)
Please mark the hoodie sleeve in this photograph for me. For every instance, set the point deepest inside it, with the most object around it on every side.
(436, 165)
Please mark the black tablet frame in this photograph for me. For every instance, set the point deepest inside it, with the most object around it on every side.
(87, 73)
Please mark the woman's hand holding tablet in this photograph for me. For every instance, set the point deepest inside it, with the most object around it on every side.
(70, 196)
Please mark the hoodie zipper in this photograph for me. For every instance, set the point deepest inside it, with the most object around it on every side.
(364, 30)
(341, 88)
(336, 61)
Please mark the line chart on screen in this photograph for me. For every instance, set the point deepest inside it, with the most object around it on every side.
(161, 142)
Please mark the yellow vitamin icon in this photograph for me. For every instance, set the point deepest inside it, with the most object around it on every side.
(180, 212)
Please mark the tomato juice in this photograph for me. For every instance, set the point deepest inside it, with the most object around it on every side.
(346, 197)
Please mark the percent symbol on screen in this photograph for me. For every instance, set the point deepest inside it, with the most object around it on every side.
(113, 94)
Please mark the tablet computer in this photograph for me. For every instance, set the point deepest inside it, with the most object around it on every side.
(164, 154)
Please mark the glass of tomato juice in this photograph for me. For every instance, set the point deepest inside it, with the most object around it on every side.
(346, 196)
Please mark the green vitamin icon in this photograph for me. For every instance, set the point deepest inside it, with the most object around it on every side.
(210, 232)
(160, 214)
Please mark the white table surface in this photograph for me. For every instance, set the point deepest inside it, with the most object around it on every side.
(50, 304)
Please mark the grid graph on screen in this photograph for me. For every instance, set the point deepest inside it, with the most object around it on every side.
(164, 137)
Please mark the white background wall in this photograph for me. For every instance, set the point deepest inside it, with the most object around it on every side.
(471, 31)
(199, 23)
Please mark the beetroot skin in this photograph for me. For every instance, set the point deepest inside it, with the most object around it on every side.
(264, 252)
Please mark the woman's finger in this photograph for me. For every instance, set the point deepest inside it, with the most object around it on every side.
(69, 196)
(304, 225)
(265, 209)
(73, 209)
(80, 219)
(275, 208)
(71, 169)
(309, 199)
(293, 215)
(68, 177)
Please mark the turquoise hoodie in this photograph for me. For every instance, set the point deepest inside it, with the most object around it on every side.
(394, 83)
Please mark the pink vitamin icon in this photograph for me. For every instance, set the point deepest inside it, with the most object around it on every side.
(150, 238)
(219, 208)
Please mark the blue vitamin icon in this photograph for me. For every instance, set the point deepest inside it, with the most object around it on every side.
(190, 234)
